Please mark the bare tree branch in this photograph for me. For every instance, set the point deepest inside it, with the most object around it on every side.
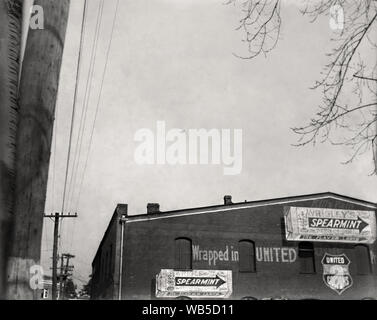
(347, 115)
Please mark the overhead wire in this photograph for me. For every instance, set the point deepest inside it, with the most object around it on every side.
(79, 65)
(73, 119)
(87, 94)
(84, 110)
(99, 100)
(69, 188)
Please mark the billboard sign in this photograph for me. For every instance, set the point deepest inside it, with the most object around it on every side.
(329, 225)
(194, 284)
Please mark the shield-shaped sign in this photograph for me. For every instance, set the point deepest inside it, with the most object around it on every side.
(336, 273)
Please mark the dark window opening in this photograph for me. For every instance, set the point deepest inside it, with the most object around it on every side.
(183, 254)
(247, 256)
(363, 263)
(306, 256)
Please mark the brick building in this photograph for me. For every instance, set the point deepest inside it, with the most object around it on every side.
(318, 246)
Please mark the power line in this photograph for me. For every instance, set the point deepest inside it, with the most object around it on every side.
(73, 109)
(83, 120)
(84, 110)
(99, 99)
(90, 75)
(74, 105)
(82, 39)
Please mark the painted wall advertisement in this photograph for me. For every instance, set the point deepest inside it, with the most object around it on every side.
(330, 225)
(214, 257)
(194, 284)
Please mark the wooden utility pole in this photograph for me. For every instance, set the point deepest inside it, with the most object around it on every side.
(10, 46)
(57, 217)
(67, 268)
(37, 99)
(61, 275)
(55, 256)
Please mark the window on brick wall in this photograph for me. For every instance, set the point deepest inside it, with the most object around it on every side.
(363, 264)
(246, 249)
(183, 253)
(306, 257)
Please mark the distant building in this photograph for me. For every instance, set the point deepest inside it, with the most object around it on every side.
(318, 246)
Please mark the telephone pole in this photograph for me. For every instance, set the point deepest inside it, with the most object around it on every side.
(37, 93)
(10, 47)
(57, 217)
(61, 276)
(66, 274)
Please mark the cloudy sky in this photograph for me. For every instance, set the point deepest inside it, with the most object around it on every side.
(173, 61)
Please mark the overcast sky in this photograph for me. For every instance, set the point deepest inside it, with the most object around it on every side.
(172, 61)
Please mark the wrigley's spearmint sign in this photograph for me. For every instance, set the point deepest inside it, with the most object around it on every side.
(332, 225)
